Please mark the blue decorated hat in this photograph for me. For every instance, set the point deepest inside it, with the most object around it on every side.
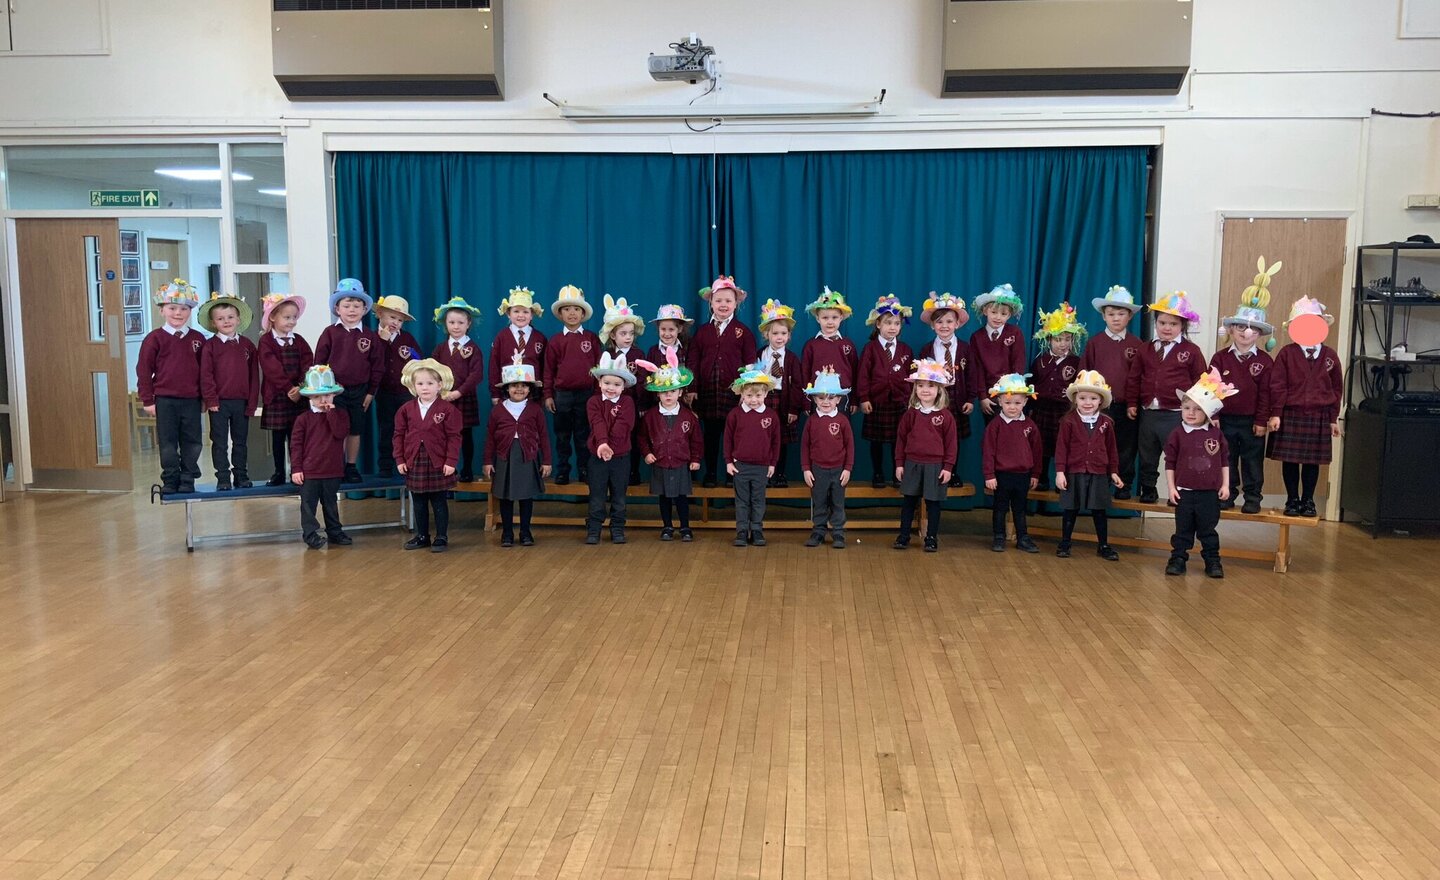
(320, 380)
(1116, 296)
(827, 381)
(350, 287)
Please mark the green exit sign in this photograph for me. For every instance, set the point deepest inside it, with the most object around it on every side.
(124, 198)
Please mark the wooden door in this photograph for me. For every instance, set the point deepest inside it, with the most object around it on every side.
(70, 311)
(169, 256)
(1313, 250)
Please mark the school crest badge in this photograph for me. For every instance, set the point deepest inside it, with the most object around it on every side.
(1329, 364)
(615, 410)
(1183, 357)
(586, 346)
(684, 427)
(834, 428)
(1256, 369)
(1009, 340)
(363, 343)
(539, 346)
(1130, 354)
(407, 352)
(963, 363)
(766, 422)
(1212, 447)
(1068, 373)
(937, 420)
(738, 332)
(846, 349)
(439, 417)
(466, 351)
(195, 344)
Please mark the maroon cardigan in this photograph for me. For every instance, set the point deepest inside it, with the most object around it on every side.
(438, 433)
(1079, 450)
(275, 383)
(674, 447)
(317, 443)
(504, 431)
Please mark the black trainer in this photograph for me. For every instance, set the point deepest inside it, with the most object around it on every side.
(440, 545)
(1175, 566)
(1027, 544)
(998, 544)
(418, 542)
(667, 534)
(742, 539)
(757, 538)
(527, 539)
(1251, 506)
(276, 479)
(1062, 550)
(315, 540)
(686, 536)
(1148, 496)
(932, 544)
(1107, 553)
(507, 539)
(815, 540)
(1214, 569)
(342, 539)
(901, 542)
(837, 541)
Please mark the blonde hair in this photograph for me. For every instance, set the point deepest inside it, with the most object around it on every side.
(435, 374)
(942, 397)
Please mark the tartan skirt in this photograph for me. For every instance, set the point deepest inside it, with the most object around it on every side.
(1047, 415)
(880, 425)
(962, 421)
(469, 406)
(1304, 436)
(425, 476)
(281, 412)
(714, 399)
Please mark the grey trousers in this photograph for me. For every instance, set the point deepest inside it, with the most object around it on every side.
(827, 500)
(750, 497)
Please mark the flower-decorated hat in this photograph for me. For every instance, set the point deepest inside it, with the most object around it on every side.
(353, 288)
(670, 376)
(177, 293)
(521, 296)
(1116, 296)
(1092, 381)
(1176, 303)
(827, 381)
(830, 299)
(447, 376)
(458, 304)
(929, 370)
(1254, 301)
(939, 302)
(1013, 383)
(888, 304)
(753, 374)
(1001, 294)
(772, 311)
(272, 301)
(1209, 392)
(721, 283)
(1307, 306)
(247, 314)
(397, 304)
(320, 380)
(615, 366)
(570, 295)
(672, 312)
(517, 371)
(1062, 320)
(617, 312)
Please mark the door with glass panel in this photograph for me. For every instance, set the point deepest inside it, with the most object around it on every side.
(74, 357)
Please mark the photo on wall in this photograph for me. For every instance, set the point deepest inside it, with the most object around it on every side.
(129, 243)
(129, 268)
(134, 296)
(134, 323)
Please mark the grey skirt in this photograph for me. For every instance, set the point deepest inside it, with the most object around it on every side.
(1086, 492)
(517, 479)
(924, 479)
(670, 482)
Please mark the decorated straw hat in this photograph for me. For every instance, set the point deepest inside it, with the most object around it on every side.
(1307, 306)
(1092, 381)
(397, 304)
(1254, 301)
(613, 366)
(1176, 303)
(772, 311)
(521, 296)
(458, 304)
(1001, 294)
(447, 376)
(827, 381)
(721, 283)
(938, 302)
(888, 305)
(753, 374)
(1116, 296)
(353, 288)
(672, 312)
(517, 371)
(1062, 320)
(830, 299)
(929, 370)
(320, 380)
(1209, 392)
(617, 312)
(272, 301)
(247, 314)
(1012, 383)
(670, 376)
(177, 293)
(570, 295)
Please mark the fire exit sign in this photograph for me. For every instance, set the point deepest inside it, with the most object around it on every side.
(124, 198)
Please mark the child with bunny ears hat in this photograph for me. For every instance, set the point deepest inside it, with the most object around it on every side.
(670, 443)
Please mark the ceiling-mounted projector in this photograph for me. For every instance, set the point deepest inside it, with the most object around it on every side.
(692, 62)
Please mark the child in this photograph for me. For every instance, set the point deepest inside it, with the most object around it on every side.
(520, 307)
(427, 449)
(752, 446)
(827, 456)
(518, 450)
(828, 349)
(620, 329)
(357, 358)
(720, 349)
(998, 347)
(786, 398)
(1197, 473)
(925, 446)
(167, 377)
(1061, 332)
(1011, 460)
(284, 358)
(229, 387)
(946, 314)
(1247, 367)
(1086, 461)
(880, 382)
(671, 325)
(1110, 354)
(670, 442)
(1305, 393)
(1160, 372)
(317, 457)
(568, 361)
(401, 350)
(612, 424)
(462, 356)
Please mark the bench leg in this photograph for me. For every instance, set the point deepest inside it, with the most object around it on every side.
(189, 529)
(492, 509)
(1282, 549)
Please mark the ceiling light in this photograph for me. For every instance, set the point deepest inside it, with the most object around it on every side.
(200, 174)
(270, 191)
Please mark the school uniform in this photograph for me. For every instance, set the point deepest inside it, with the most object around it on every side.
(752, 444)
(283, 362)
(1011, 455)
(399, 350)
(1247, 409)
(317, 452)
(568, 360)
(531, 343)
(1050, 376)
(357, 360)
(715, 356)
(426, 439)
(612, 422)
(925, 444)
(674, 439)
(636, 394)
(1111, 356)
(788, 398)
(959, 362)
(167, 376)
(827, 449)
(1305, 391)
(994, 354)
(1158, 371)
(1087, 454)
(467, 363)
(881, 381)
(517, 447)
(230, 391)
(835, 352)
(1198, 457)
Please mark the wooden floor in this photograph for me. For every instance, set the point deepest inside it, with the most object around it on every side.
(664, 710)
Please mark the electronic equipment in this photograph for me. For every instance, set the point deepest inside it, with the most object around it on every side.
(692, 62)
(1386, 288)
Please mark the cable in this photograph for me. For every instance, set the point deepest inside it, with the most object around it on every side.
(1430, 115)
(715, 122)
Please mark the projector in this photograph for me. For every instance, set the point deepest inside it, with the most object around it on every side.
(692, 62)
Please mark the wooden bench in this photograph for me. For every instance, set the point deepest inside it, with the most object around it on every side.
(1280, 556)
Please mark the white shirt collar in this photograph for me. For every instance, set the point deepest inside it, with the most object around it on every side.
(1117, 337)
(721, 325)
(1235, 350)
(927, 409)
(283, 338)
(515, 408)
(670, 412)
(315, 407)
(223, 338)
(1165, 346)
(994, 332)
(174, 331)
(569, 332)
(424, 407)
(451, 342)
(348, 328)
(775, 354)
(1189, 428)
(748, 409)
(830, 415)
(888, 343)
(835, 338)
(1008, 420)
(939, 347)
(608, 399)
(1089, 420)
(1311, 352)
(524, 331)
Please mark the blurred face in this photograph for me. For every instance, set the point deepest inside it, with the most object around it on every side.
(778, 335)
(753, 396)
(389, 321)
(889, 326)
(457, 323)
(623, 336)
(1013, 405)
(176, 316)
(350, 310)
(427, 385)
(225, 319)
(829, 321)
(1167, 327)
(1243, 336)
(520, 315)
(571, 316)
(722, 303)
(1116, 319)
(517, 391)
(826, 403)
(670, 399)
(1087, 403)
(669, 331)
(1192, 414)
(1062, 344)
(283, 318)
(996, 314)
(927, 392)
(945, 323)
(612, 386)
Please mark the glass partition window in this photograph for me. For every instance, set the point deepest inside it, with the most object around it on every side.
(261, 233)
(93, 290)
(145, 177)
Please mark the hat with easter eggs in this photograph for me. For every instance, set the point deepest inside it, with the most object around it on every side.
(672, 312)
(178, 292)
(939, 302)
(319, 379)
(1118, 297)
(669, 376)
(1092, 381)
(722, 283)
(827, 381)
(1013, 383)
(929, 370)
(772, 311)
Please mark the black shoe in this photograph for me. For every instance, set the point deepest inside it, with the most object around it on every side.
(223, 487)
(276, 479)
(1107, 553)
(1214, 569)
(592, 538)
(1122, 495)
(667, 534)
(1292, 507)
(998, 545)
(342, 539)
(634, 479)
(315, 540)
(583, 477)
(1307, 507)
(757, 538)
(1062, 550)
(467, 477)
(440, 545)
(742, 539)
(507, 539)
(782, 481)
(352, 475)
(956, 482)
(901, 542)
(186, 487)
(1251, 506)
(1148, 496)
(419, 542)
(815, 539)
(562, 480)
(1175, 566)
(709, 483)
(686, 536)
(527, 539)
(1027, 544)
(932, 544)
(1042, 486)
(877, 482)
(243, 484)
(617, 536)
(894, 484)
(837, 540)
(1227, 504)
(169, 488)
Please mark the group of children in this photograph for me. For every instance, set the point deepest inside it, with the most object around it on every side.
(712, 394)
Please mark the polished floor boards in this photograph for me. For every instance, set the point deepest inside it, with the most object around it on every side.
(665, 710)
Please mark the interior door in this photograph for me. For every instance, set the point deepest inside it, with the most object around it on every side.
(70, 311)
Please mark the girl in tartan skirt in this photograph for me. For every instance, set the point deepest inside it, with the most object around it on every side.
(786, 397)
(1052, 371)
(1305, 388)
(881, 383)
(467, 364)
(284, 357)
(718, 352)
(427, 449)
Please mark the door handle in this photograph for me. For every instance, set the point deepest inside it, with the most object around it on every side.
(112, 330)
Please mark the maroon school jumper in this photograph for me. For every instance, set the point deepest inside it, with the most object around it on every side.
(1111, 358)
(1303, 383)
(677, 446)
(828, 442)
(502, 354)
(881, 382)
(839, 354)
(789, 398)
(356, 357)
(926, 438)
(317, 444)
(752, 437)
(716, 359)
(1251, 377)
(568, 359)
(991, 360)
(282, 367)
(1081, 450)
(169, 365)
(230, 371)
(1011, 448)
(1051, 376)
(1199, 458)
(399, 351)
(657, 357)
(1152, 378)
(468, 365)
(610, 422)
(437, 432)
(504, 430)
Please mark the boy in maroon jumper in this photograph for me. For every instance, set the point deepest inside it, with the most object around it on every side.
(998, 347)
(828, 350)
(569, 357)
(357, 358)
(520, 307)
(229, 387)
(400, 348)
(721, 348)
(1196, 470)
(1160, 371)
(1110, 354)
(827, 456)
(1053, 370)
(1010, 456)
(462, 356)
(945, 313)
(167, 377)
(786, 398)
(612, 424)
(1245, 365)
(880, 382)
(284, 357)
(752, 445)
(317, 457)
